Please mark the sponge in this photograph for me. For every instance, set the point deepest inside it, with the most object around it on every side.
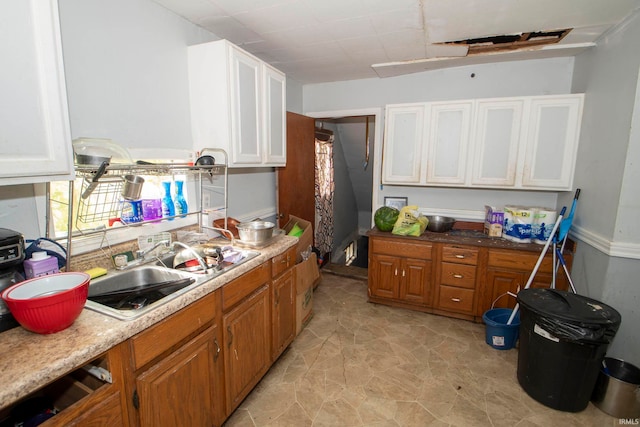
(96, 272)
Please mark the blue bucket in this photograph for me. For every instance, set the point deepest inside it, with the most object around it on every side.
(499, 335)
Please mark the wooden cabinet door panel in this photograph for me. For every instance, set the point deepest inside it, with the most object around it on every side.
(177, 391)
(247, 341)
(415, 281)
(383, 274)
(283, 312)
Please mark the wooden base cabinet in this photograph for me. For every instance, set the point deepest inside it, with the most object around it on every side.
(178, 391)
(400, 272)
(177, 370)
(509, 273)
(283, 311)
(247, 332)
(455, 280)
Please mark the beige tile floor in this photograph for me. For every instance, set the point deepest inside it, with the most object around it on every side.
(361, 364)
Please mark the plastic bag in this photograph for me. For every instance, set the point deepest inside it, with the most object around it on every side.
(410, 222)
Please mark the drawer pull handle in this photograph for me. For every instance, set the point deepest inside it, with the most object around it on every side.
(460, 256)
(458, 276)
(456, 299)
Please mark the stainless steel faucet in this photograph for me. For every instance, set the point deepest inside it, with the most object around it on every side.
(141, 254)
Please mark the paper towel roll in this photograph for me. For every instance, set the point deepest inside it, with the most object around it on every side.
(517, 223)
(543, 221)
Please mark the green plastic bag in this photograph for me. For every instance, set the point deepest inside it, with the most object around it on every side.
(410, 222)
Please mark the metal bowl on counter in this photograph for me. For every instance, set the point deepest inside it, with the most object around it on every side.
(255, 232)
(440, 224)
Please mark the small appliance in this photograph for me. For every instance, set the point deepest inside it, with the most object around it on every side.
(11, 257)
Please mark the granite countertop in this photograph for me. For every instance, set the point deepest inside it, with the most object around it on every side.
(29, 361)
(466, 236)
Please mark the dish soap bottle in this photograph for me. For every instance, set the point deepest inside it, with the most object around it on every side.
(168, 208)
(181, 202)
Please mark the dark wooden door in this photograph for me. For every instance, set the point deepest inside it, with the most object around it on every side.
(296, 181)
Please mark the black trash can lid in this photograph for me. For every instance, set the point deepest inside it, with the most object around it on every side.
(569, 307)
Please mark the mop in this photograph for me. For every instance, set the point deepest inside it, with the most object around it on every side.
(563, 225)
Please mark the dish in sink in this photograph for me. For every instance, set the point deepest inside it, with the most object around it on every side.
(132, 293)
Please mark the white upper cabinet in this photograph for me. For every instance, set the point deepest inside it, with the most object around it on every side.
(551, 143)
(404, 132)
(496, 137)
(447, 142)
(237, 104)
(525, 143)
(35, 138)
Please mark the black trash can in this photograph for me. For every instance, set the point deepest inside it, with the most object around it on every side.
(563, 340)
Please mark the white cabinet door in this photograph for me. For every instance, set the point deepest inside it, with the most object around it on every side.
(404, 135)
(275, 132)
(495, 142)
(552, 141)
(35, 139)
(246, 108)
(448, 131)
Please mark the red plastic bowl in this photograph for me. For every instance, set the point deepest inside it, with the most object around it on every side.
(48, 304)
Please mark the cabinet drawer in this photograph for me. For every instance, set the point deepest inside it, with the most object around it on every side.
(456, 299)
(460, 275)
(280, 263)
(171, 331)
(460, 254)
(402, 249)
(234, 291)
(519, 261)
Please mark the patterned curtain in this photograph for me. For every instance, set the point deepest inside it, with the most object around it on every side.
(324, 196)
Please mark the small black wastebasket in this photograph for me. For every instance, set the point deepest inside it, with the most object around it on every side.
(563, 340)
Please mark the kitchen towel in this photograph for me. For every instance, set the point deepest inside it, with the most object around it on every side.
(543, 221)
(517, 224)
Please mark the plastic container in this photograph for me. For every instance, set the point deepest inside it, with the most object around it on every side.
(563, 340)
(499, 335)
(168, 208)
(180, 202)
(40, 264)
(617, 390)
(48, 304)
(131, 211)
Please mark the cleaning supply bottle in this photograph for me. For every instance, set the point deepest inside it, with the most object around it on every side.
(40, 264)
(168, 208)
(180, 202)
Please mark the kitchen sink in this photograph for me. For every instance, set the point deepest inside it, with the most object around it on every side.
(129, 294)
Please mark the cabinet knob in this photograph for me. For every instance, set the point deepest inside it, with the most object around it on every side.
(403, 273)
(460, 256)
(396, 272)
(456, 299)
(458, 276)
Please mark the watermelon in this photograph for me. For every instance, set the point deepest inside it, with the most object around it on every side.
(385, 218)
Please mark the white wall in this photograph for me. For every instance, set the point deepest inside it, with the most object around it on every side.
(607, 264)
(535, 77)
